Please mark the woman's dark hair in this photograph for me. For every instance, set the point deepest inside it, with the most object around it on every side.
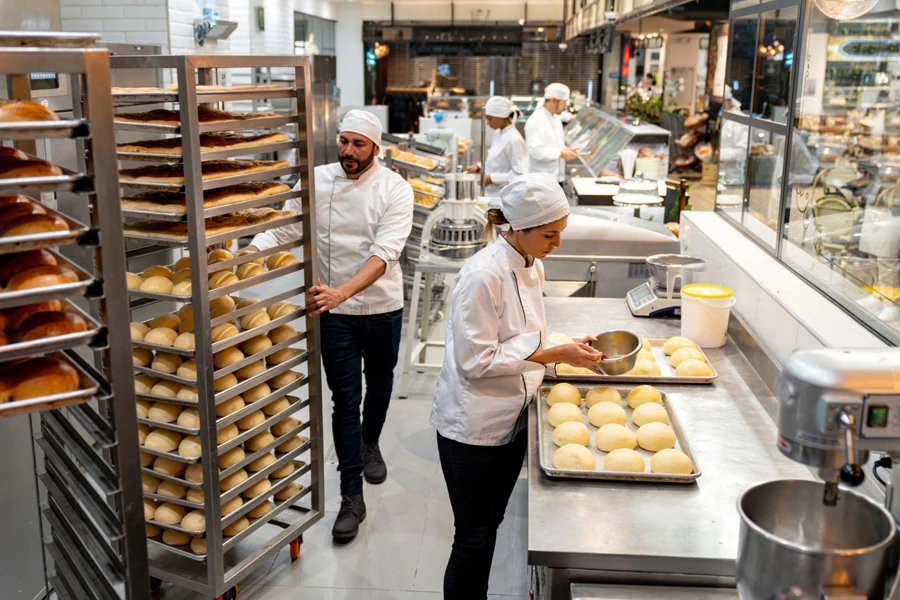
(496, 219)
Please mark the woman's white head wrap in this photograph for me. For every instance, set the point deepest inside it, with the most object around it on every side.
(498, 106)
(363, 123)
(531, 200)
(557, 91)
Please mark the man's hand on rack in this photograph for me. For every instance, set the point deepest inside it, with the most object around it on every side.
(320, 298)
(568, 153)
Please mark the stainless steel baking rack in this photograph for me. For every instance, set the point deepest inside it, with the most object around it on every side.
(213, 154)
(230, 559)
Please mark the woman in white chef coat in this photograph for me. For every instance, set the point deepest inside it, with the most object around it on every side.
(508, 156)
(496, 351)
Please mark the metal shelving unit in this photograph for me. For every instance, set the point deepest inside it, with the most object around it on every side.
(85, 441)
(230, 558)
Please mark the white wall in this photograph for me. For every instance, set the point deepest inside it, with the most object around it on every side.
(350, 54)
(182, 14)
(120, 21)
(464, 11)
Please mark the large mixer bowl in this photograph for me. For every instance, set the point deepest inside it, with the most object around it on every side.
(791, 539)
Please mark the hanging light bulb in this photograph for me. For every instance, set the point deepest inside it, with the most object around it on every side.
(843, 10)
(762, 50)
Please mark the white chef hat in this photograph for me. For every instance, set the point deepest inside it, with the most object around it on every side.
(531, 200)
(363, 123)
(498, 106)
(557, 91)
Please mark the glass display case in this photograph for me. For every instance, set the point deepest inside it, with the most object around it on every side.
(601, 136)
(810, 147)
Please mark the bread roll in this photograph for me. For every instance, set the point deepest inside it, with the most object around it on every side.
(165, 320)
(187, 369)
(170, 489)
(141, 357)
(190, 447)
(252, 420)
(36, 377)
(225, 382)
(188, 393)
(149, 508)
(246, 251)
(147, 459)
(170, 537)
(280, 259)
(231, 506)
(162, 440)
(162, 336)
(14, 317)
(250, 269)
(183, 289)
(279, 381)
(231, 458)
(280, 309)
(284, 426)
(236, 527)
(166, 389)
(218, 255)
(149, 483)
(221, 302)
(221, 279)
(282, 356)
(261, 463)
(257, 489)
(185, 341)
(165, 363)
(292, 444)
(182, 263)
(289, 468)
(226, 434)
(50, 324)
(13, 199)
(157, 285)
(194, 495)
(143, 430)
(194, 521)
(143, 408)
(157, 271)
(138, 331)
(245, 302)
(38, 277)
(13, 264)
(288, 492)
(25, 110)
(256, 345)
(220, 311)
(193, 474)
(132, 281)
(276, 407)
(233, 480)
(168, 466)
(190, 418)
(227, 357)
(164, 412)
(152, 531)
(33, 224)
(223, 332)
(182, 275)
(282, 334)
(256, 393)
(187, 326)
(16, 210)
(185, 312)
(259, 441)
(251, 370)
(198, 546)
(232, 405)
(254, 319)
(260, 511)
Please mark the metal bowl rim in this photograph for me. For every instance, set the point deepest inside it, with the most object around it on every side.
(779, 541)
(624, 356)
(658, 257)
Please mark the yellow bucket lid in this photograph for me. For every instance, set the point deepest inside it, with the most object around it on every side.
(707, 290)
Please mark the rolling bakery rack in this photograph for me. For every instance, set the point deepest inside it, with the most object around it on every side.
(85, 443)
(290, 456)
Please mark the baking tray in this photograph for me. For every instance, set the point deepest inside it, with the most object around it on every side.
(212, 154)
(69, 181)
(77, 234)
(211, 240)
(92, 384)
(53, 292)
(226, 95)
(242, 125)
(30, 130)
(668, 372)
(546, 447)
(94, 332)
(218, 182)
(170, 455)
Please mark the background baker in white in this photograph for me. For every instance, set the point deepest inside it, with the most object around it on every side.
(547, 150)
(364, 214)
(508, 156)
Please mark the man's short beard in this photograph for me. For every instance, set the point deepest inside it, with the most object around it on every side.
(362, 165)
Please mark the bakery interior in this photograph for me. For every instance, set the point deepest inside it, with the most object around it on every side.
(736, 163)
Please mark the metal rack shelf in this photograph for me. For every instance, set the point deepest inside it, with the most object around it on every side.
(33, 130)
(76, 234)
(215, 573)
(203, 97)
(218, 182)
(94, 335)
(85, 286)
(212, 154)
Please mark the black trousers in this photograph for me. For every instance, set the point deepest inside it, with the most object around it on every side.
(353, 345)
(480, 480)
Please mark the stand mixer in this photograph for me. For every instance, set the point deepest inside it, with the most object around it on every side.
(820, 540)
(454, 228)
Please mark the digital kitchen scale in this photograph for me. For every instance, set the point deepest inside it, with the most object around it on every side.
(649, 301)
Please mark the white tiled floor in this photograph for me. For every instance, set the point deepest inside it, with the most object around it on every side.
(403, 545)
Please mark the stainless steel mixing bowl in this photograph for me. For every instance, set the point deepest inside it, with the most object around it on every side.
(621, 347)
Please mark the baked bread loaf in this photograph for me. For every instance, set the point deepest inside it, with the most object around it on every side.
(282, 356)
(259, 441)
(283, 472)
(187, 369)
(209, 142)
(282, 334)
(256, 344)
(168, 320)
(157, 271)
(133, 281)
(254, 319)
(15, 166)
(165, 389)
(258, 261)
(13, 264)
(205, 114)
(276, 407)
(214, 226)
(164, 412)
(260, 511)
(23, 110)
(143, 408)
(143, 384)
(162, 336)
(261, 463)
(182, 289)
(185, 341)
(211, 169)
(50, 324)
(176, 203)
(258, 488)
(250, 269)
(170, 489)
(221, 279)
(218, 255)
(12, 212)
(251, 370)
(230, 406)
(14, 317)
(225, 382)
(227, 357)
(257, 393)
(288, 491)
(157, 285)
(220, 302)
(245, 302)
(36, 377)
(252, 420)
(138, 331)
(182, 263)
(280, 259)
(223, 332)
(188, 393)
(226, 434)
(236, 527)
(283, 427)
(166, 363)
(141, 357)
(280, 309)
(33, 224)
(38, 277)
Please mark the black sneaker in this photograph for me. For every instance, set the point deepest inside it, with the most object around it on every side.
(374, 468)
(352, 513)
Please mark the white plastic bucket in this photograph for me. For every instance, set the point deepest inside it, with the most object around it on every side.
(705, 310)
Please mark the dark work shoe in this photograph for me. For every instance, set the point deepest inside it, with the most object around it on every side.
(374, 468)
(352, 513)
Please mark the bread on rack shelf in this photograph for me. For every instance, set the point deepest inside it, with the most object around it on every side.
(14, 165)
(209, 142)
(13, 264)
(33, 224)
(211, 169)
(50, 324)
(214, 225)
(38, 277)
(23, 110)
(36, 377)
(125, 91)
(205, 114)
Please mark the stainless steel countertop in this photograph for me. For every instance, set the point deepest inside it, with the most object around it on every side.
(598, 591)
(656, 527)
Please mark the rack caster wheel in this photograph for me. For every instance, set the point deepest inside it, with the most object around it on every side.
(295, 548)
(155, 585)
(231, 594)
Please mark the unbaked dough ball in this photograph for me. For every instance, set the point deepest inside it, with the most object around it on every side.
(645, 345)
(645, 368)
(562, 412)
(572, 432)
(676, 343)
(231, 458)
(602, 394)
(565, 369)
(613, 436)
(574, 457)
(169, 513)
(170, 489)
(168, 466)
(645, 355)
(671, 462)
(170, 537)
(655, 437)
(643, 394)
(190, 447)
(189, 418)
(560, 338)
(194, 521)
(683, 354)
(261, 463)
(604, 413)
(564, 392)
(694, 368)
(624, 460)
(649, 412)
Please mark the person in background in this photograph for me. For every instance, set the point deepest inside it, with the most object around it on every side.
(495, 354)
(647, 83)
(364, 213)
(546, 143)
(508, 156)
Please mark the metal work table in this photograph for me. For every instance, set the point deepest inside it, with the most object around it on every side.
(656, 534)
(642, 592)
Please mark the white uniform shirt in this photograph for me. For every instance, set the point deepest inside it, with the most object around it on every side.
(545, 140)
(355, 220)
(496, 322)
(507, 158)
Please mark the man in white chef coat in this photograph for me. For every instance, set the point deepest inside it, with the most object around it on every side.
(364, 213)
(547, 150)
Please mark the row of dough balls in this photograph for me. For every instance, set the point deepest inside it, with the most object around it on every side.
(623, 460)
(169, 513)
(567, 393)
(686, 358)
(176, 280)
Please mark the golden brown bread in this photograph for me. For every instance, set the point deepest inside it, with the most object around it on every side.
(22, 110)
(50, 324)
(214, 226)
(14, 317)
(35, 223)
(211, 169)
(36, 377)
(208, 142)
(8, 152)
(13, 264)
(11, 212)
(38, 277)
(204, 115)
(16, 167)
(4, 200)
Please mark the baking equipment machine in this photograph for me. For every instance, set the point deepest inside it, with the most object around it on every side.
(660, 295)
(455, 227)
